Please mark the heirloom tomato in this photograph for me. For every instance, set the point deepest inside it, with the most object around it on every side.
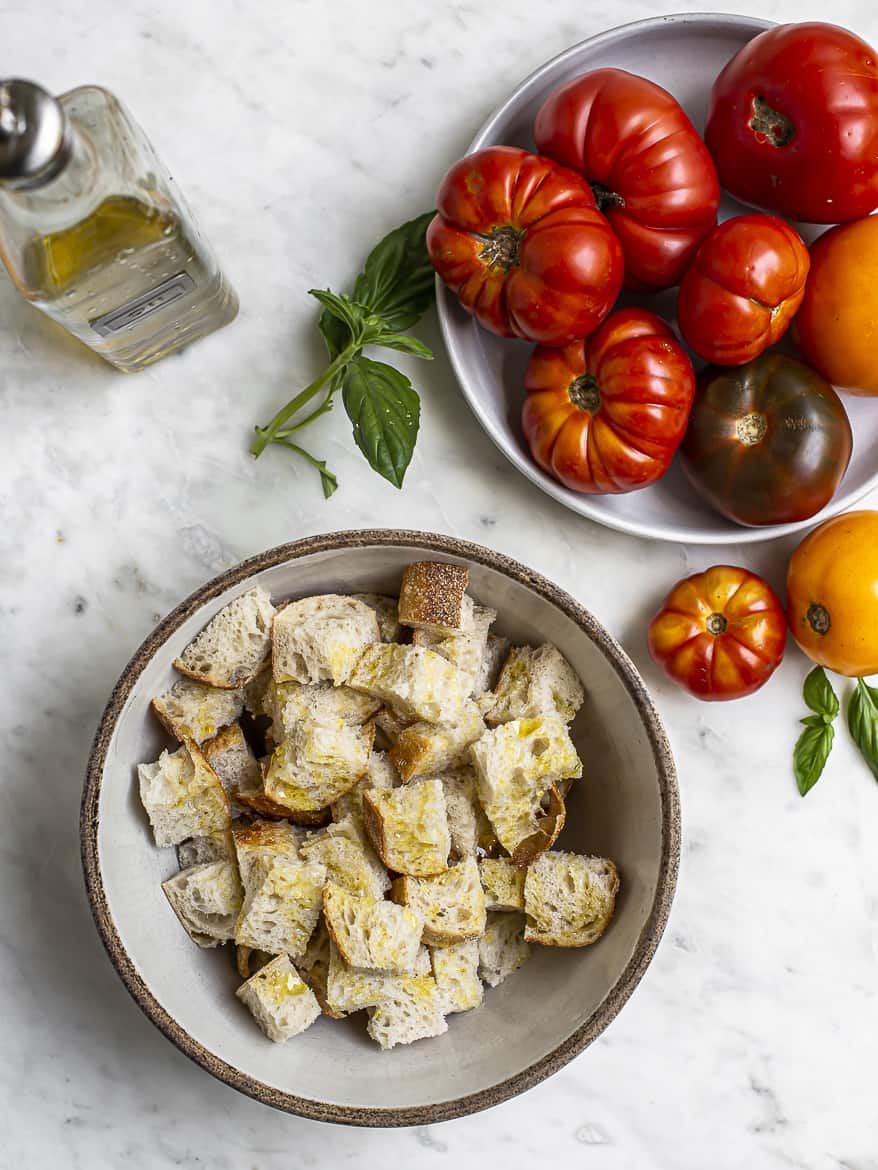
(832, 589)
(520, 240)
(607, 414)
(743, 289)
(650, 172)
(792, 123)
(719, 634)
(767, 442)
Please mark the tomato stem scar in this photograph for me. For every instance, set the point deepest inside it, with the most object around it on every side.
(604, 197)
(585, 393)
(777, 128)
(716, 624)
(502, 247)
(818, 618)
(750, 429)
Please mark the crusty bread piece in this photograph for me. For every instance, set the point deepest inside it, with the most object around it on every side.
(471, 832)
(536, 682)
(379, 774)
(389, 724)
(264, 841)
(281, 1002)
(349, 989)
(418, 683)
(503, 883)
(207, 899)
(452, 904)
(319, 762)
(256, 693)
(569, 899)
(411, 1010)
(314, 967)
(372, 935)
(264, 806)
(456, 971)
(409, 827)
(217, 846)
(248, 960)
(351, 828)
(232, 648)
(466, 648)
(230, 756)
(346, 863)
(183, 796)
(431, 596)
(386, 611)
(319, 639)
(294, 703)
(427, 748)
(517, 765)
(192, 710)
(496, 651)
(502, 948)
(281, 906)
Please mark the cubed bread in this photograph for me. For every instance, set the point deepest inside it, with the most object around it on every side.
(411, 1010)
(536, 682)
(496, 652)
(232, 648)
(319, 639)
(389, 724)
(314, 967)
(379, 774)
(257, 701)
(349, 989)
(265, 841)
(294, 703)
(230, 756)
(502, 948)
(425, 749)
(569, 899)
(281, 1002)
(183, 796)
(503, 883)
(372, 935)
(517, 765)
(346, 861)
(191, 710)
(386, 611)
(452, 904)
(282, 904)
(248, 960)
(207, 899)
(319, 762)
(466, 648)
(471, 832)
(408, 827)
(456, 971)
(417, 683)
(216, 846)
(431, 596)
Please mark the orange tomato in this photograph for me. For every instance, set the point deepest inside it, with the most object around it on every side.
(832, 587)
(836, 324)
(719, 634)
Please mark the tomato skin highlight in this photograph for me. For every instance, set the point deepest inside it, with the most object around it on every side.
(719, 634)
(605, 415)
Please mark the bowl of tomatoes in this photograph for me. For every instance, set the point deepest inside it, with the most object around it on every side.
(656, 267)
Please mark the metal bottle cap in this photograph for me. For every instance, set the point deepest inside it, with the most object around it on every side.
(33, 134)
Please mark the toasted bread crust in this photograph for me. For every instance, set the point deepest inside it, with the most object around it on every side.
(431, 595)
(550, 826)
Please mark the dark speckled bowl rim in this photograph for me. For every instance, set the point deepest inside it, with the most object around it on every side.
(577, 1040)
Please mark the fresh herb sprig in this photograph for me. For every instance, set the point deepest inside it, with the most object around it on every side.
(393, 291)
(815, 743)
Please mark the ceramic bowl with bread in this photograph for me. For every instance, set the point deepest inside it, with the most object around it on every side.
(358, 805)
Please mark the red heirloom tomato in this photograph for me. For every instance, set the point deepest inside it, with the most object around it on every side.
(520, 241)
(650, 172)
(793, 123)
(743, 289)
(607, 414)
(719, 634)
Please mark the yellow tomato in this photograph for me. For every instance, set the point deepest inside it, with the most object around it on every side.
(832, 589)
(837, 325)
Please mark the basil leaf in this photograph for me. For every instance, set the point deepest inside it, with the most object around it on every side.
(819, 695)
(385, 411)
(351, 314)
(810, 755)
(813, 721)
(336, 335)
(398, 282)
(403, 342)
(863, 723)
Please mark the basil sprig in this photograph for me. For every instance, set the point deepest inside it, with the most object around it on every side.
(815, 742)
(863, 723)
(389, 296)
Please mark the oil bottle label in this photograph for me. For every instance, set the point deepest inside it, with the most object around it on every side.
(134, 311)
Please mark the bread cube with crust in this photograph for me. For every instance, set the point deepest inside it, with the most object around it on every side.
(452, 904)
(386, 611)
(231, 757)
(472, 834)
(206, 899)
(465, 648)
(408, 827)
(216, 846)
(432, 596)
(293, 703)
(194, 711)
(496, 652)
(569, 899)
(417, 683)
(319, 762)
(536, 682)
(348, 858)
(503, 883)
(282, 905)
(265, 841)
(379, 774)
(456, 971)
(425, 749)
(281, 1002)
(350, 989)
(502, 948)
(370, 934)
(412, 1009)
(233, 647)
(182, 795)
(318, 639)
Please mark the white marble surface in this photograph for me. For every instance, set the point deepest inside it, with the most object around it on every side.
(302, 131)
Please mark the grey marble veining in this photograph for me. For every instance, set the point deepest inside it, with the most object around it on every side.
(301, 132)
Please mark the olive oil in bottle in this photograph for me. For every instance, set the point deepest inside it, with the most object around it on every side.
(94, 233)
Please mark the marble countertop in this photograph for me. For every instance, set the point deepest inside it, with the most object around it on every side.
(301, 133)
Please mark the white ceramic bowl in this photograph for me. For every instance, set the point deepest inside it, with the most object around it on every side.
(683, 54)
(626, 807)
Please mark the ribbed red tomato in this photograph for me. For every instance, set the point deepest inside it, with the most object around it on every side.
(606, 415)
(520, 240)
(650, 172)
(743, 289)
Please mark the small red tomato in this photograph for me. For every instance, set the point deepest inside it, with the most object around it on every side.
(520, 240)
(719, 634)
(743, 289)
(607, 414)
